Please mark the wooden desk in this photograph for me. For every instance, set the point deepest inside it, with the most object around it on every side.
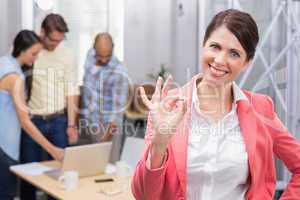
(87, 189)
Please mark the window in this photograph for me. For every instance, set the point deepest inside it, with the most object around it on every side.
(87, 18)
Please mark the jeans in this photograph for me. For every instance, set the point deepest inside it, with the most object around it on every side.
(8, 181)
(55, 130)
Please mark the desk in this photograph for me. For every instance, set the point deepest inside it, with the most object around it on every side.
(87, 189)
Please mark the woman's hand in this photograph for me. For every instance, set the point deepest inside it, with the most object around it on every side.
(166, 112)
(57, 153)
(111, 131)
(72, 134)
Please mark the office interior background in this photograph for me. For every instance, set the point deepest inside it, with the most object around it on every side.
(151, 34)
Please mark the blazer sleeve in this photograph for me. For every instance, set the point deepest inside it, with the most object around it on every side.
(148, 184)
(287, 149)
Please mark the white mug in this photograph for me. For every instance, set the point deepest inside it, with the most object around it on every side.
(69, 180)
(122, 169)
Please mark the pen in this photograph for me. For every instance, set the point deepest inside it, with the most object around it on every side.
(103, 180)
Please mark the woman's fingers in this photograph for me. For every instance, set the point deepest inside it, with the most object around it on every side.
(166, 86)
(145, 98)
(178, 104)
(169, 102)
(182, 104)
(157, 93)
(182, 108)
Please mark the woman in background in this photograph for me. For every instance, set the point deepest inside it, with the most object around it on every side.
(210, 140)
(13, 111)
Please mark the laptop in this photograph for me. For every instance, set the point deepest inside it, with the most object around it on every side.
(87, 160)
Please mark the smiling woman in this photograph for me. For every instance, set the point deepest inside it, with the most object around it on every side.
(223, 57)
(228, 47)
(210, 139)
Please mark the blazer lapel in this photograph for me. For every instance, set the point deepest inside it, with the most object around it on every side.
(248, 125)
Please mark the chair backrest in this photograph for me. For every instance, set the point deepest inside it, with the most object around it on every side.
(134, 100)
(132, 151)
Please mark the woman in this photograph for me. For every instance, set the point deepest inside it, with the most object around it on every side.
(14, 113)
(210, 139)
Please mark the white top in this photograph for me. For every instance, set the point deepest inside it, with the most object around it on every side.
(217, 167)
(54, 78)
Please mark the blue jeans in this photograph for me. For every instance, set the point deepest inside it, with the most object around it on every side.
(8, 181)
(55, 130)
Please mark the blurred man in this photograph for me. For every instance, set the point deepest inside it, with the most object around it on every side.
(54, 95)
(104, 94)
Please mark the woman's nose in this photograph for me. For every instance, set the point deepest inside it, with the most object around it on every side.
(220, 58)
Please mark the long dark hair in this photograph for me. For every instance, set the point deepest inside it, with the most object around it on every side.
(23, 41)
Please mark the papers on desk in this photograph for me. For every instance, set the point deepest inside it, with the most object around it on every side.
(31, 169)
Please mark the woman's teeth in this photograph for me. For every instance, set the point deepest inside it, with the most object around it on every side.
(217, 72)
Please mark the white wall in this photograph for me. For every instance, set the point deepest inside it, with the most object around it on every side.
(154, 34)
(3, 23)
(10, 23)
(85, 20)
(186, 40)
(146, 43)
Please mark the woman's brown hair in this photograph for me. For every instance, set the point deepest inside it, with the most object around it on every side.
(240, 24)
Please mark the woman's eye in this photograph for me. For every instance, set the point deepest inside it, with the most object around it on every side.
(234, 54)
(214, 46)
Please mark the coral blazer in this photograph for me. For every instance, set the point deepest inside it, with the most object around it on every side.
(264, 136)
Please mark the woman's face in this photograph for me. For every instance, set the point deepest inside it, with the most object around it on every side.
(223, 58)
(31, 53)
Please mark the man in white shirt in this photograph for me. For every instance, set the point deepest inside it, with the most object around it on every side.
(53, 95)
